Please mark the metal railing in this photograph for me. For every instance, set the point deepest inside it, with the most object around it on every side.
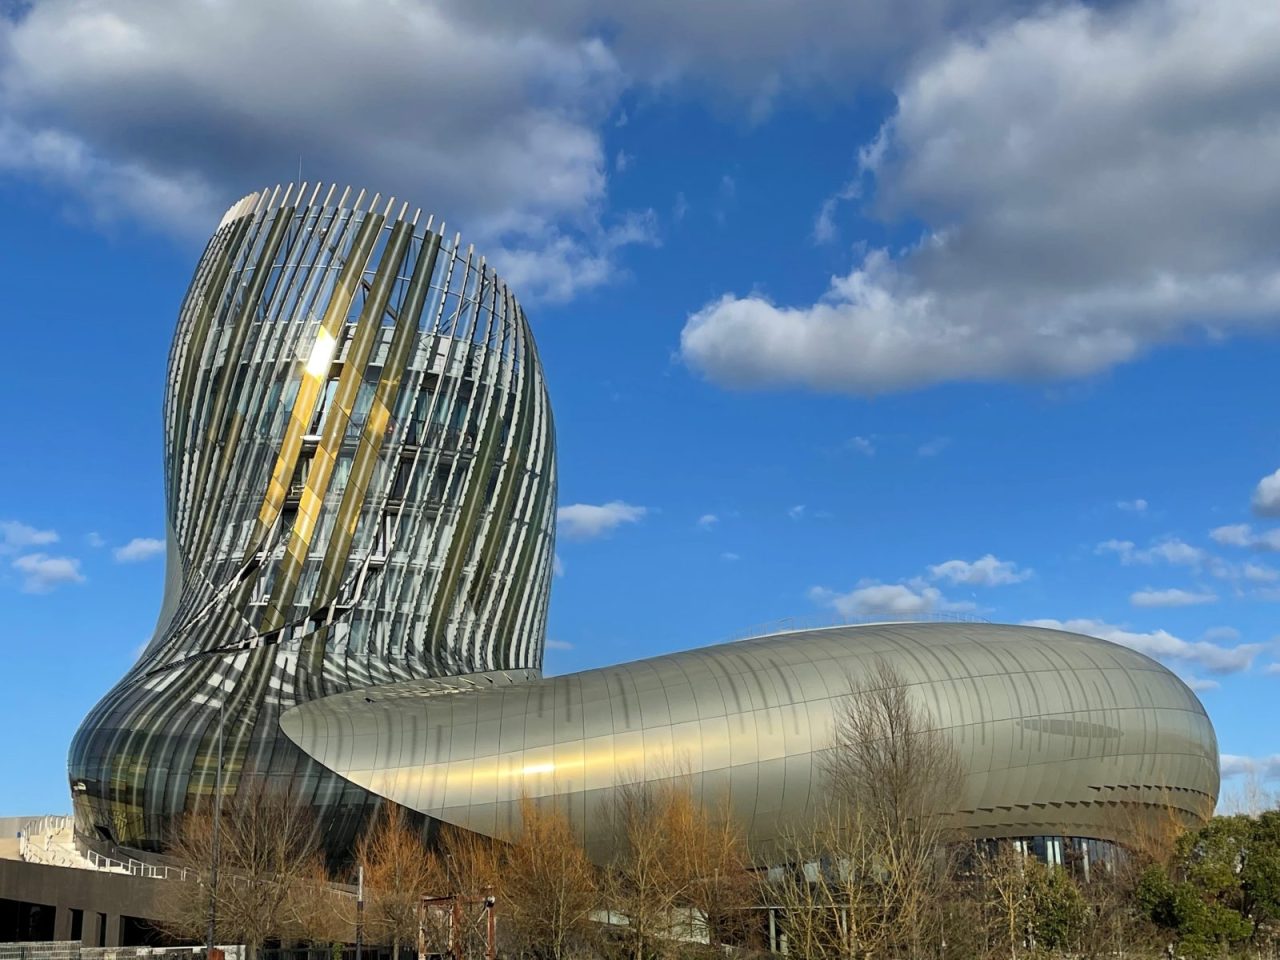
(38, 845)
(74, 950)
(820, 621)
(137, 868)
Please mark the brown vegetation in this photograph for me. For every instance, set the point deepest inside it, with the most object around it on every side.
(271, 879)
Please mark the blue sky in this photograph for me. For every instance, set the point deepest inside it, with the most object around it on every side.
(922, 307)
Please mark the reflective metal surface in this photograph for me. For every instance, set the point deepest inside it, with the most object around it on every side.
(1059, 734)
(360, 482)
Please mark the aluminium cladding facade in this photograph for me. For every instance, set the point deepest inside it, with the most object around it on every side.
(1059, 735)
(360, 484)
(360, 479)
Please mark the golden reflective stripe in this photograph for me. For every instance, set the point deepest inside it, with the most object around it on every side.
(385, 398)
(344, 293)
(335, 427)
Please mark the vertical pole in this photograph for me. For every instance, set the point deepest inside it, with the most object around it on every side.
(360, 910)
(492, 952)
(217, 827)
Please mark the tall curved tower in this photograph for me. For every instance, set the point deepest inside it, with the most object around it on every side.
(360, 487)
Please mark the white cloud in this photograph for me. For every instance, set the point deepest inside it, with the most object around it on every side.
(757, 52)
(1268, 768)
(1233, 535)
(559, 645)
(862, 445)
(707, 521)
(1272, 669)
(1260, 573)
(1093, 184)
(1170, 550)
(1133, 506)
(1243, 535)
(557, 566)
(824, 224)
(1170, 598)
(585, 521)
(1221, 633)
(15, 536)
(139, 548)
(984, 572)
(872, 599)
(1266, 497)
(796, 512)
(95, 539)
(934, 447)
(167, 112)
(1200, 684)
(1161, 644)
(41, 573)
(729, 557)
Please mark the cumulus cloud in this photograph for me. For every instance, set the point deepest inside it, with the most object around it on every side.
(1170, 598)
(1214, 658)
(756, 52)
(796, 512)
(139, 548)
(872, 599)
(1093, 185)
(586, 521)
(15, 536)
(1133, 506)
(1259, 573)
(559, 645)
(1170, 550)
(1266, 496)
(557, 566)
(1200, 684)
(1267, 768)
(986, 571)
(1243, 535)
(169, 111)
(488, 111)
(95, 539)
(41, 573)
(707, 521)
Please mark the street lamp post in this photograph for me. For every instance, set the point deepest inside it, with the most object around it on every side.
(360, 912)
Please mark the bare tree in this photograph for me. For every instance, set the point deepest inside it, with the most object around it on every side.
(269, 866)
(828, 890)
(1005, 895)
(644, 883)
(713, 861)
(891, 764)
(549, 887)
(398, 873)
(682, 875)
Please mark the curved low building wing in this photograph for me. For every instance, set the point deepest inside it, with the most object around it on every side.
(1059, 734)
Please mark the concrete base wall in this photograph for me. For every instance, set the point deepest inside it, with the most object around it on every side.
(102, 898)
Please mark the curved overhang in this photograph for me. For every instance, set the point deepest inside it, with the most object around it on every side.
(1058, 734)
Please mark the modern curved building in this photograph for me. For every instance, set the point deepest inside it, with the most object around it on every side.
(1060, 736)
(360, 483)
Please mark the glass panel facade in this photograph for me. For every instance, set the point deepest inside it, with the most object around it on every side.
(307, 509)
